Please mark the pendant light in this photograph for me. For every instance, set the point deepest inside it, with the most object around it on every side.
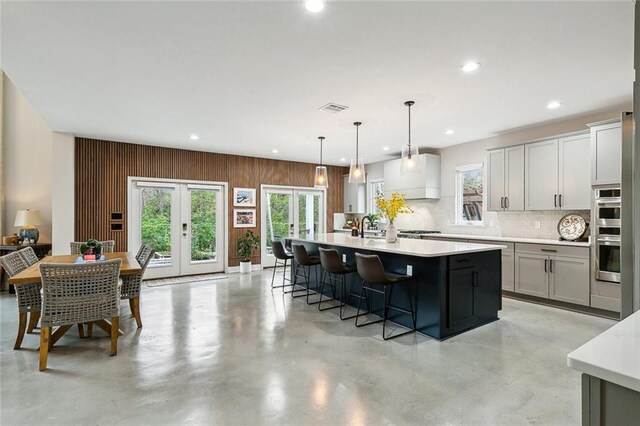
(321, 179)
(356, 171)
(410, 161)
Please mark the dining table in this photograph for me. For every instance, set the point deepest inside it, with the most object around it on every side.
(31, 275)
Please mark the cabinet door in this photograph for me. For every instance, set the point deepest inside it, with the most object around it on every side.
(541, 175)
(354, 196)
(514, 182)
(461, 306)
(508, 270)
(606, 144)
(569, 279)
(574, 188)
(495, 179)
(531, 274)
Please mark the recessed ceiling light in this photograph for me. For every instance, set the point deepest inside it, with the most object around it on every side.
(274, 151)
(343, 160)
(470, 66)
(385, 148)
(194, 137)
(553, 105)
(449, 132)
(314, 6)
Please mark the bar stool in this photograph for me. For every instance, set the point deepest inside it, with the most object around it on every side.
(336, 271)
(282, 257)
(372, 273)
(304, 263)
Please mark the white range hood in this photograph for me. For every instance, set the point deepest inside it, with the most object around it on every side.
(414, 187)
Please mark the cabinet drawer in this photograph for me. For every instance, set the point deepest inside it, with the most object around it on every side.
(552, 250)
(460, 261)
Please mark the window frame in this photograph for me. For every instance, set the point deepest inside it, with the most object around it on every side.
(373, 208)
(459, 196)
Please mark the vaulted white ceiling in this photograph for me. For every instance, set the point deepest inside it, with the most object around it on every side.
(248, 77)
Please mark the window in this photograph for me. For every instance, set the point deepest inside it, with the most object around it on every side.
(376, 188)
(469, 194)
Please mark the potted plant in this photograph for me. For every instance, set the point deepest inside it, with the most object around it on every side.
(390, 209)
(91, 250)
(246, 246)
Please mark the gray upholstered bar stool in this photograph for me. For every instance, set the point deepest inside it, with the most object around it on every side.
(372, 272)
(336, 272)
(304, 263)
(282, 257)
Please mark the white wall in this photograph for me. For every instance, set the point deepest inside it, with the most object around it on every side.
(63, 192)
(26, 160)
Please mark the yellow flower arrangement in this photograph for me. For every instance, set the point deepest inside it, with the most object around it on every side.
(393, 207)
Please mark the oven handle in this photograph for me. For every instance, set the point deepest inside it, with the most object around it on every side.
(607, 243)
(601, 203)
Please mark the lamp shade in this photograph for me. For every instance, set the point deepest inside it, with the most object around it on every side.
(321, 179)
(356, 171)
(28, 218)
(410, 161)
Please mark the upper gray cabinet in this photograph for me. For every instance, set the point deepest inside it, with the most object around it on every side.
(555, 174)
(606, 143)
(419, 186)
(505, 179)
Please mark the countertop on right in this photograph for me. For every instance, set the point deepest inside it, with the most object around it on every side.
(614, 355)
(513, 239)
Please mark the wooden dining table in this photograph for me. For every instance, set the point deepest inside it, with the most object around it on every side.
(31, 275)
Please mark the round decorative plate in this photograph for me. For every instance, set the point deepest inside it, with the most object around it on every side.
(572, 226)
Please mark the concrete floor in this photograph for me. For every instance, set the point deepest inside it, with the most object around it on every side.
(232, 352)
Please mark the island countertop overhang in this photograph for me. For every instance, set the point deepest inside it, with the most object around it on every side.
(409, 247)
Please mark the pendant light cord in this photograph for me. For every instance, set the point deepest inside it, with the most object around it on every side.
(409, 125)
(321, 140)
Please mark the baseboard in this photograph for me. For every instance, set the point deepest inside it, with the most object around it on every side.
(236, 269)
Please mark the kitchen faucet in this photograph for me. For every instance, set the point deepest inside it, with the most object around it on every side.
(362, 226)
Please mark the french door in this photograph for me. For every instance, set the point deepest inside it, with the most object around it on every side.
(184, 223)
(287, 212)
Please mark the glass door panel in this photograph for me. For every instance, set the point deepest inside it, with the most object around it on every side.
(156, 223)
(309, 209)
(279, 217)
(203, 225)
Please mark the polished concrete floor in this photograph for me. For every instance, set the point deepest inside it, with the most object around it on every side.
(232, 352)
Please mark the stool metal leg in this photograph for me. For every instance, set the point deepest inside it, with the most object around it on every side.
(332, 283)
(388, 306)
(344, 297)
(367, 297)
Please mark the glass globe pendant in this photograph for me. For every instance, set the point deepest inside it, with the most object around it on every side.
(410, 163)
(356, 171)
(321, 179)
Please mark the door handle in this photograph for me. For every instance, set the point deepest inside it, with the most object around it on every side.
(502, 202)
(545, 265)
(506, 203)
(560, 200)
(551, 266)
(475, 278)
(184, 229)
(555, 200)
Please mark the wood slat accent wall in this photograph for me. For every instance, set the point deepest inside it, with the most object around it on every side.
(102, 169)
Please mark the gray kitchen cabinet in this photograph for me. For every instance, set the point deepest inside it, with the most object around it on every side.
(355, 197)
(553, 272)
(555, 174)
(505, 179)
(531, 276)
(574, 190)
(606, 144)
(569, 279)
(541, 175)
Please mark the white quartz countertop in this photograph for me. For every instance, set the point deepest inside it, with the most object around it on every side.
(513, 239)
(411, 247)
(613, 356)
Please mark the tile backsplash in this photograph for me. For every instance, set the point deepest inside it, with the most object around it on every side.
(439, 215)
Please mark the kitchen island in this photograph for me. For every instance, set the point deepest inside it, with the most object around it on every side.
(457, 285)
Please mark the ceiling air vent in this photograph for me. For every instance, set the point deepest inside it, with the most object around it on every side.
(333, 108)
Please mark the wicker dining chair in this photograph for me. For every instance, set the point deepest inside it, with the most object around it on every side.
(78, 293)
(131, 283)
(27, 295)
(108, 246)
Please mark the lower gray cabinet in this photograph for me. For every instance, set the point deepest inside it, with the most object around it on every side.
(531, 275)
(553, 272)
(508, 270)
(569, 279)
